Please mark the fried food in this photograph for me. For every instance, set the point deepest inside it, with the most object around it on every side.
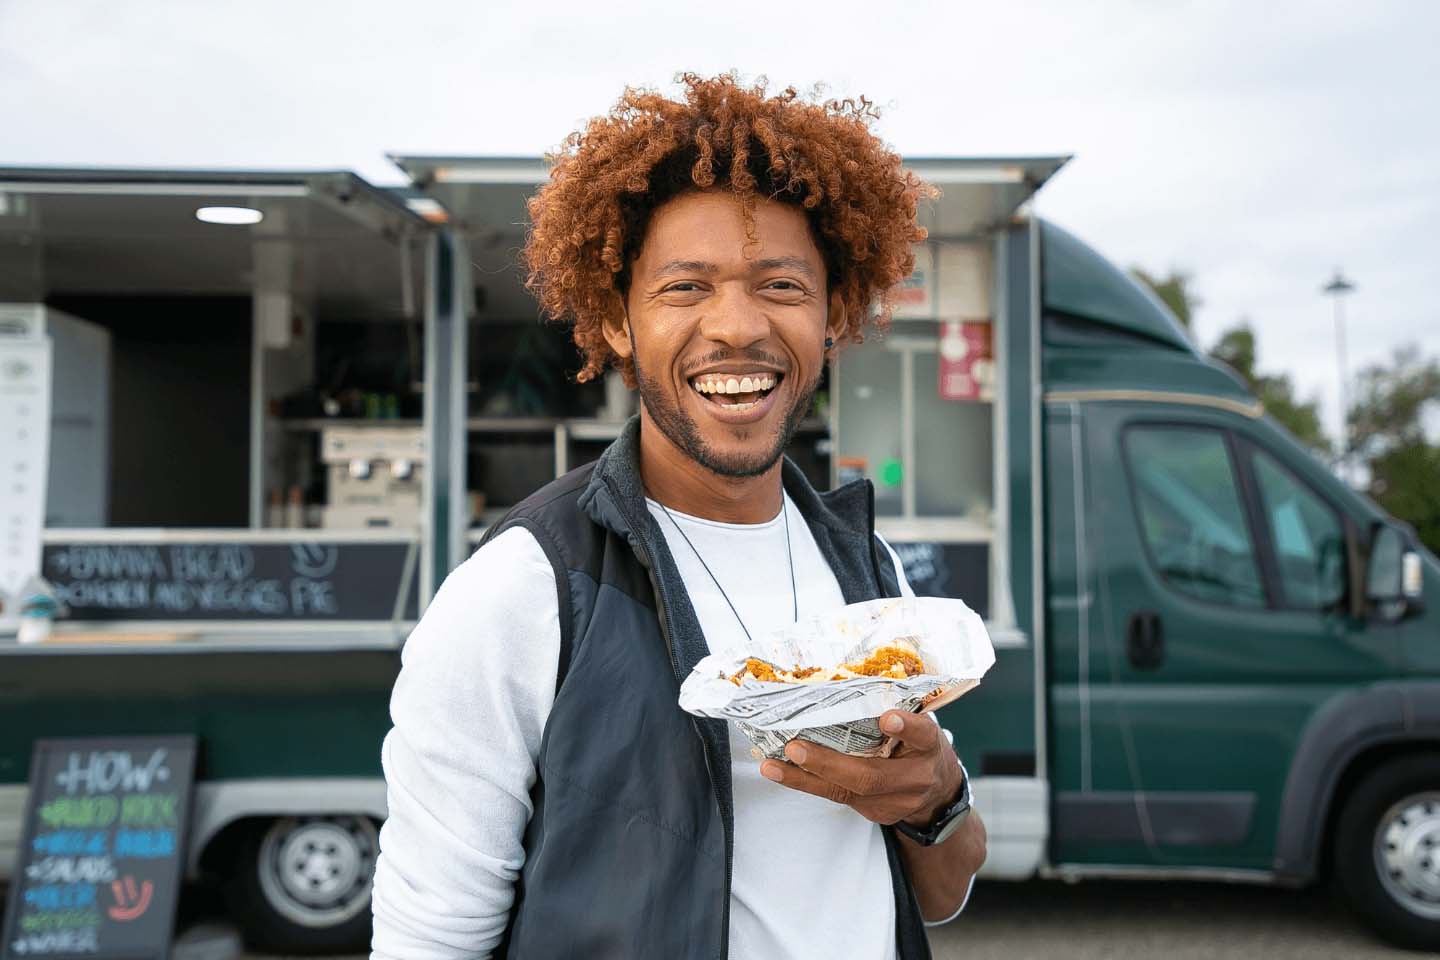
(894, 661)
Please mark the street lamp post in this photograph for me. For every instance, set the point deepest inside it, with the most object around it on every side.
(1337, 288)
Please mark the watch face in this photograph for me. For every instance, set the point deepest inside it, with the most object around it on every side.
(942, 828)
(956, 816)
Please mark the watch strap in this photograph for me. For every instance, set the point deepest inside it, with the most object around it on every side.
(947, 822)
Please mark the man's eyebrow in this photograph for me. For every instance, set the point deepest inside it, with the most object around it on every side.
(798, 264)
(685, 266)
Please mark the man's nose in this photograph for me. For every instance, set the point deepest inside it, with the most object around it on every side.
(735, 319)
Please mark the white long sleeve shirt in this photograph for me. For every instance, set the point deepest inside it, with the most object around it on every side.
(469, 710)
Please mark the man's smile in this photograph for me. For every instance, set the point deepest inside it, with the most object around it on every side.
(736, 390)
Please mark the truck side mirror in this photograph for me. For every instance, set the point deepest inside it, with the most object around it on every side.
(1393, 575)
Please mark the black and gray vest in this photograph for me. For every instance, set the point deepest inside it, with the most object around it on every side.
(629, 851)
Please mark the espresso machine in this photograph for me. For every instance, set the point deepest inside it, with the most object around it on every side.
(374, 476)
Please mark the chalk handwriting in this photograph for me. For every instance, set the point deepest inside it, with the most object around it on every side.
(106, 770)
(144, 844)
(59, 941)
(71, 870)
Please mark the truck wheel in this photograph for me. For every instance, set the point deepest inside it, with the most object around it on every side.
(303, 884)
(1387, 851)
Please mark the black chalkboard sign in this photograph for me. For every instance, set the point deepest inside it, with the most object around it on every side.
(228, 580)
(103, 849)
(958, 570)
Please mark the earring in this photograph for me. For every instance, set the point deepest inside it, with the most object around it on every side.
(829, 343)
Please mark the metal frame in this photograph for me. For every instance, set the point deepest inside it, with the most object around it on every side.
(447, 278)
(1037, 502)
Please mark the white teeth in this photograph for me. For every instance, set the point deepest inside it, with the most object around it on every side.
(714, 383)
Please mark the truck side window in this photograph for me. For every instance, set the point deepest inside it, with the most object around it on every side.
(1308, 537)
(1190, 515)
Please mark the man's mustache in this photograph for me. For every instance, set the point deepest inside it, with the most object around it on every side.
(750, 354)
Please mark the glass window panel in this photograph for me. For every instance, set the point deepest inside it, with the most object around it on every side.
(1308, 537)
(869, 420)
(954, 453)
(1190, 514)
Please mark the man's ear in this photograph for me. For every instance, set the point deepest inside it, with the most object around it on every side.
(835, 320)
(616, 328)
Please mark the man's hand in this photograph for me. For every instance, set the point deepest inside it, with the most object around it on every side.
(914, 784)
(919, 780)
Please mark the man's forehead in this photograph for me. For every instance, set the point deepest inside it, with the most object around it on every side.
(702, 232)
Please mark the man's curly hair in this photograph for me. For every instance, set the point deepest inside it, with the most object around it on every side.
(588, 222)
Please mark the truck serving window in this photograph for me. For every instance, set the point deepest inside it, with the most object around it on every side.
(1309, 540)
(1188, 504)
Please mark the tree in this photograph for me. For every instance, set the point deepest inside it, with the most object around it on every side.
(1173, 290)
(1386, 427)
(1236, 349)
(1391, 401)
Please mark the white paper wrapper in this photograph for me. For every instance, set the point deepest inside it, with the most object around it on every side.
(844, 714)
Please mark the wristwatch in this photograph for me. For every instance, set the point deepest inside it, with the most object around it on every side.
(944, 825)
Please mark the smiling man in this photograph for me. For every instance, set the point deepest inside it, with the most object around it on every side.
(548, 797)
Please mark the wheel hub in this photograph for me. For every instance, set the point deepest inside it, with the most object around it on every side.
(1407, 853)
(317, 872)
(317, 861)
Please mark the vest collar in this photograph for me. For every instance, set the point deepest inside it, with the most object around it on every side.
(841, 520)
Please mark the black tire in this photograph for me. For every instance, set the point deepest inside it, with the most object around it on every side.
(302, 884)
(1387, 851)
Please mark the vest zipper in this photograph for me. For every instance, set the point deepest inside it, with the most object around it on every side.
(666, 632)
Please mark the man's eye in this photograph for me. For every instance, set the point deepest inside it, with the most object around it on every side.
(785, 286)
(683, 286)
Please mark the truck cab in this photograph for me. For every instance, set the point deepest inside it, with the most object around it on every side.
(1241, 667)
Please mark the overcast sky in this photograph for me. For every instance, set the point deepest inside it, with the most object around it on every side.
(1256, 145)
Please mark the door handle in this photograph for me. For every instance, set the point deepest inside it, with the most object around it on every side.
(1145, 640)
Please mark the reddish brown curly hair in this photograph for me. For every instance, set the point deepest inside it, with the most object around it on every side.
(587, 223)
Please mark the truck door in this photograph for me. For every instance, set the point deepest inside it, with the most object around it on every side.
(1219, 622)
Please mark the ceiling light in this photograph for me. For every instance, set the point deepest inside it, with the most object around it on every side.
(239, 216)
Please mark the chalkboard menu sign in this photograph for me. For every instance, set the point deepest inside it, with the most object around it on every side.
(958, 570)
(103, 850)
(228, 580)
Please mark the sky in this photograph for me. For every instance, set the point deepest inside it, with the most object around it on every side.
(1256, 146)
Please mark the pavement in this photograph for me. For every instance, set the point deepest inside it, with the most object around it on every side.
(1144, 920)
(1052, 920)
(1134, 919)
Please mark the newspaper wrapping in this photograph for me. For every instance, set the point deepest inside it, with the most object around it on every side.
(845, 714)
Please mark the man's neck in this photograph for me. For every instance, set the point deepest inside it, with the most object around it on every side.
(677, 481)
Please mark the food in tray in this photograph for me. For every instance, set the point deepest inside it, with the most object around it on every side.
(895, 660)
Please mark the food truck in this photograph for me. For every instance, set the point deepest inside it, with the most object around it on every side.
(1213, 658)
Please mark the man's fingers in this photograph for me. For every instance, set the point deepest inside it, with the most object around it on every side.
(879, 809)
(859, 776)
(916, 730)
(789, 775)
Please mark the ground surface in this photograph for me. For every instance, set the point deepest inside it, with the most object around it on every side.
(1049, 920)
(1170, 921)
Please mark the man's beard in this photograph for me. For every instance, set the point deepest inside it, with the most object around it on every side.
(682, 430)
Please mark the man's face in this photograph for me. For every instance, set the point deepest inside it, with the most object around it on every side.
(727, 333)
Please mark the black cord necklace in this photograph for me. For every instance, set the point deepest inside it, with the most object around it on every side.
(794, 596)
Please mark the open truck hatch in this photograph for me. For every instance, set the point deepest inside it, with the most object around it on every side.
(979, 194)
(203, 363)
(326, 235)
(487, 194)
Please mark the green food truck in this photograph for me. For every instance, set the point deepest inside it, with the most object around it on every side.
(1214, 659)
